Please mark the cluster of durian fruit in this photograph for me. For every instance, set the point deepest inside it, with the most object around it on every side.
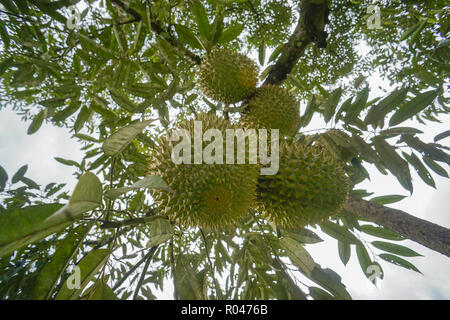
(309, 187)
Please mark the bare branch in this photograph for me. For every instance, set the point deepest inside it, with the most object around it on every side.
(426, 233)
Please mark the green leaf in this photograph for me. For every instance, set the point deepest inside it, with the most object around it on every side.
(443, 43)
(392, 132)
(393, 162)
(360, 102)
(305, 119)
(302, 235)
(366, 151)
(410, 31)
(103, 292)
(414, 106)
(344, 252)
(231, 33)
(3, 178)
(68, 111)
(89, 266)
(154, 182)
(331, 281)
(66, 250)
(160, 231)
(189, 283)
(331, 104)
(19, 174)
(433, 165)
(380, 110)
(338, 232)
(420, 168)
(298, 255)
(9, 5)
(395, 248)
(187, 36)
(119, 140)
(67, 162)
(86, 196)
(20, 227)
(37, 122)
(22, 5)
(320, 294)
(276, 52)
(442, 135)
(344, 107)
(262, 53)
(380, 232)
(358, 165)
(123, 101)
(5, 64)
(398, 261)
(388, 199)
(82, 117)
(202, 19)
(86, 137)
(30, 183)
(92, 45)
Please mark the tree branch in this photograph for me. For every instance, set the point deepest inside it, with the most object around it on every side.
(426, 233)
(130, 222)
(310, 29)
(147, 257)
(144, 271)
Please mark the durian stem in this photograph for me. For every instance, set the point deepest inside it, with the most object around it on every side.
(426, 233)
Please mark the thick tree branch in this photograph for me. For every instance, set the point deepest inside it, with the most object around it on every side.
(310, 29)
(430, 235)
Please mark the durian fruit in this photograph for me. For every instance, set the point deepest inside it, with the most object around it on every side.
(227, 76)
(273, 107)
(203, 195)
(310, 186)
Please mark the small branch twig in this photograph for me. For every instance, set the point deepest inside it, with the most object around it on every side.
(218, 292)
(144, 272)
(172, 266)
(137, 265)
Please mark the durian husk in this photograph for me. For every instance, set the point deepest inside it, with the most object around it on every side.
(273, 107)
(310, 187)
(210, 196)
(227, 76)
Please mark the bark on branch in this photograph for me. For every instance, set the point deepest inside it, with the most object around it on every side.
(310, 29)
(429, 234)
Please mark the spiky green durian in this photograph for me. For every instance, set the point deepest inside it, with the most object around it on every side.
(273, 107)
(310, 186)
(227, 76)
(205, 195)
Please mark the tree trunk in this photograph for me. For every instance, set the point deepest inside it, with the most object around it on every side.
(426, 233)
